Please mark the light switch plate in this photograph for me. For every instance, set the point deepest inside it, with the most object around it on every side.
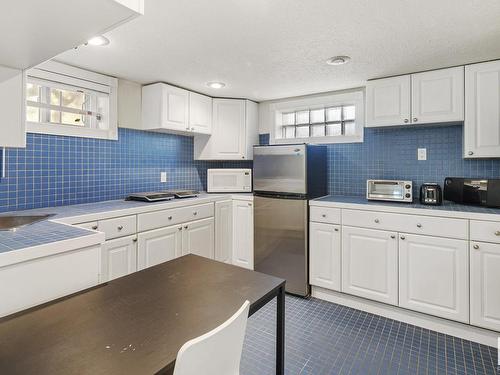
(163, 176)
(422, 154)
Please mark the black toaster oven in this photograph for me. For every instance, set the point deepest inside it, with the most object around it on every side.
(476, 191)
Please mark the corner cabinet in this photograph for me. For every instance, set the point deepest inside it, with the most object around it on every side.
(234, 131)
(429, 97)
(482, 110)
(200, 113)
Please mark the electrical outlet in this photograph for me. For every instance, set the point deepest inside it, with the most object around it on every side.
(163, 176)
(422, 154)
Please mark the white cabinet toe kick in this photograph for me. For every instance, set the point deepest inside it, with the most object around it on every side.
(441, 273)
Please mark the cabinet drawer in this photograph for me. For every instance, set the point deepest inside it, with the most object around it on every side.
(325, 215)
(118, 227)
(431, 226)
(165, 218)
(487, 231)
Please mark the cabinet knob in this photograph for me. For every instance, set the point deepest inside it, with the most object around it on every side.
(419, 225)
(476, 247)
(243, 157)
(195, 213)
(377, 221)
(170, 218)
(94, 227)
(336, 229)
(403, 237)
(471, 153)
(250, 204)
(406, 121)
(323, 215)
(192, 129)
(180, 228)
(185, 227)
(187, 128)
(120, 227)
(134, 240)
(415, 119)
(393, 236)
(497, 233)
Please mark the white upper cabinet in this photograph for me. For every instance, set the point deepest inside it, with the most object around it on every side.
(482, 110)
(12, 99)
(434, 276)
(234, 131)
(165, 107)
(485, 285)
(438, 96)
(33, 39)
(421, 98)
(200, 113)
(388, 101)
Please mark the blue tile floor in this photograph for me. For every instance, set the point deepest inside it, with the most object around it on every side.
(326, 338)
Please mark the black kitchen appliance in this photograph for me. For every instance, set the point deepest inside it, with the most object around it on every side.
(476, 191)
(431, 194)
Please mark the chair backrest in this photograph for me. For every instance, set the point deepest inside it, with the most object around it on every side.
(217, 352)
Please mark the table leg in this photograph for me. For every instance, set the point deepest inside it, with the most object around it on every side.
(280, 332)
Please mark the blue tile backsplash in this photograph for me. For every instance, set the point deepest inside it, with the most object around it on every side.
(57, 170)
(391, 153)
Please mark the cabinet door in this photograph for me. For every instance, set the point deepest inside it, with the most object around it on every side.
(224, 231)
(200, 113)
(438, 96)
(485, 285)
(158, 246)
(118, 258)
(227, 141)
(388, 101)
(370, 264)
(198, 238)
(12, 97)
(175, 108)
(482, 110)
(243, 234)
(433, 276)
(324, 256)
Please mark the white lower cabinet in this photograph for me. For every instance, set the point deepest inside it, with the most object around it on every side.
(198, 238)
(243, 233)
(370, 264)
(224, 231)
(325, 256)
(118, 258)
(30, 283)
(158, 246)
(433, 276)
(485, 285)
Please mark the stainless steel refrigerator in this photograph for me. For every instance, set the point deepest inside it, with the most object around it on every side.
(285, 177)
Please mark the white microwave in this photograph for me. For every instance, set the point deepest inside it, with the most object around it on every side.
(227, 180)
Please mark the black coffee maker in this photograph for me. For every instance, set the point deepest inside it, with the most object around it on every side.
(431, 194)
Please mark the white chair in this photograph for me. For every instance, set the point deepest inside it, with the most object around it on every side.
(217, 352)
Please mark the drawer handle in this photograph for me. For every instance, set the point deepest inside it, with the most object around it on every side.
(393, 236)
(377, 221)
(497, 233)
(134, 240)
(403, 238)
(120, 227)
(94, 227)
(415, 119)
(336, 229)
(419, 225)
(476, 247)
(170, 218)
(323, 215)
(185, 227)
(180, 228)
(195, 213)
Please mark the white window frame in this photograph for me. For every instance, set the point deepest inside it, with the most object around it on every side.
(354, 97)
(80, 78)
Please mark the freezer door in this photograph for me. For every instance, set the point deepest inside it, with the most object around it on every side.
(280, 169)
(280, 241)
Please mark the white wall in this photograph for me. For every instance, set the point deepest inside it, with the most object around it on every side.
(129, 104)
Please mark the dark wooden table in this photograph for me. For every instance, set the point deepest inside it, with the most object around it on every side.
(135, 324)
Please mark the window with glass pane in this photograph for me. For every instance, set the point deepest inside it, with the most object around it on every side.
(336, 121)
(52, 103)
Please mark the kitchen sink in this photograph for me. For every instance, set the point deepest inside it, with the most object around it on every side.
(14, 222)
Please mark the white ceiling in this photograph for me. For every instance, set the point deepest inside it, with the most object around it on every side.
(268, 49)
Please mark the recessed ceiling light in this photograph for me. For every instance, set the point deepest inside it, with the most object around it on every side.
(216, 85)
(338, 60)
(98, 41)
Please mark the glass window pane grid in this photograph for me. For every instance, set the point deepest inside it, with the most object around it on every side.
(336, 121)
